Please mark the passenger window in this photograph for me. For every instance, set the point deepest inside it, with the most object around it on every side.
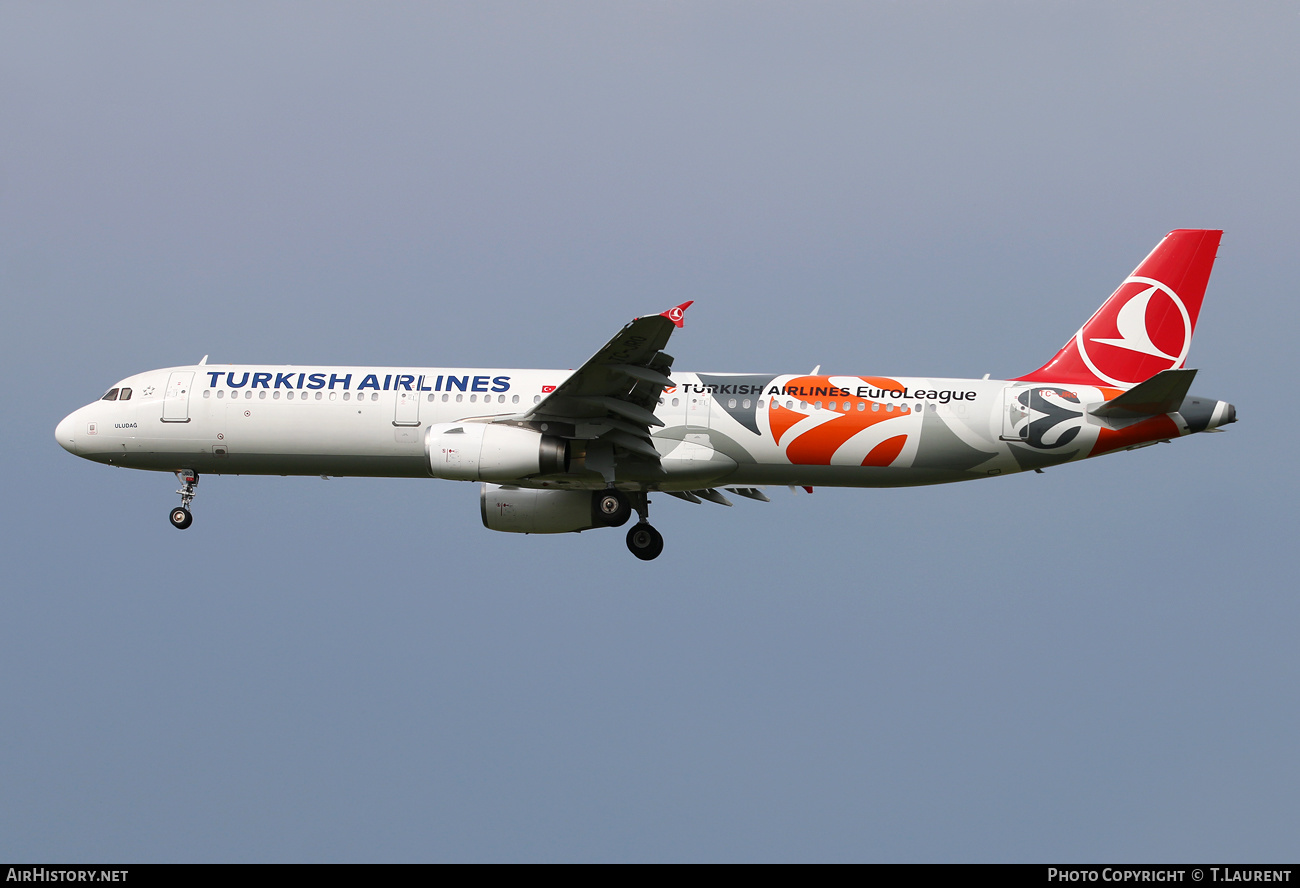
(431, 397)
(275, 395)
(110, 395)
(760, 403)
(675, 400)
(261, 396)
(125, 396)
(319, 395)
(248, 396)
(745, 403)
(472, 398)
(514, 399)
(459, 398)
(731, 404)
(374, 396)
(221, 393)
(444, 399)
(207, 393)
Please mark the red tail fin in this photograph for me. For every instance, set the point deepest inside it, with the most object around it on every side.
(1146, 325)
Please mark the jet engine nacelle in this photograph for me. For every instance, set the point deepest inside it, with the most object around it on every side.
(521, 510)
(478, 451)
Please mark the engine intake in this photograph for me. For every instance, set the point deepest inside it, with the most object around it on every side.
(478, 451)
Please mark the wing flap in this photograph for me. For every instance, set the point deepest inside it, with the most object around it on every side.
(643, 374)
(625, 409)
(632, 443)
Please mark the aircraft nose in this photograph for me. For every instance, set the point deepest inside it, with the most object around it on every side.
(64, 434)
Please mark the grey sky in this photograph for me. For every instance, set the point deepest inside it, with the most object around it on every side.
(1097, 663)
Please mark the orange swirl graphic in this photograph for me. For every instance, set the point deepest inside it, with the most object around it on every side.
(816, 446)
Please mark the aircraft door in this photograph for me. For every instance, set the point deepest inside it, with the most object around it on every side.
(408, 409)
(176, 403)
(1015, 413)
(697, 409)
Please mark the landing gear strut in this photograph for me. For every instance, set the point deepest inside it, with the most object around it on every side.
(180, 516)
(644, 541)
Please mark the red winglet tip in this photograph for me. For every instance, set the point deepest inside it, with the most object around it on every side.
(677, 314)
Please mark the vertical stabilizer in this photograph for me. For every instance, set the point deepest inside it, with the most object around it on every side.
(1146, 326)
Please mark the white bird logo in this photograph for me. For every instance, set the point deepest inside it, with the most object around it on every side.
(1131, 322)
(1134, 336)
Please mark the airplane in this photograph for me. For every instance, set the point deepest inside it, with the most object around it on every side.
(561, 451)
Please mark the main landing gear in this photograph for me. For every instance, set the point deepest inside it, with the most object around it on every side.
(180, 516)
(644, 541)
(613, 507)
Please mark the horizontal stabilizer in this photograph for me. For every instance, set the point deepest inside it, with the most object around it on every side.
(1162, 393)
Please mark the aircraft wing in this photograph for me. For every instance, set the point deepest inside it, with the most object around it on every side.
(613, 395)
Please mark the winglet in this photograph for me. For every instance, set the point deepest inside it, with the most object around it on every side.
(677, 314)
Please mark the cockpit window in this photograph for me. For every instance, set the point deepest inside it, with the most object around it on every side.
(125, 396)
(110, 396)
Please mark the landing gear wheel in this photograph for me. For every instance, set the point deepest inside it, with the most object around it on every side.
(181, 518)
(613, 507)
(645, 542)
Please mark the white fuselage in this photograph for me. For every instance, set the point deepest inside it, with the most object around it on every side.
(733, 429)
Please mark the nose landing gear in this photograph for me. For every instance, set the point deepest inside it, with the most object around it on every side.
(180, 516)
(644, 541)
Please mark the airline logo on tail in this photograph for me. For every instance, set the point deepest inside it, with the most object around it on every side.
(1148, 321)
(1146, 326)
